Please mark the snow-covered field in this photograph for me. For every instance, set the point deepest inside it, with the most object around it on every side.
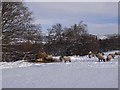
(82, 72)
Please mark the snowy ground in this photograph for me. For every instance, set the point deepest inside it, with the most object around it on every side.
(82, 72)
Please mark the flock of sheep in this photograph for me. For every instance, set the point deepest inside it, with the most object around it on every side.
(43, 57)
(101, 56)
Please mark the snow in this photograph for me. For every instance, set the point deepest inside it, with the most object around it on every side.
(82, 72)
(102, 37)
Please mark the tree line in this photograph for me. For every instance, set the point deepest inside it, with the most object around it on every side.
(20, 36)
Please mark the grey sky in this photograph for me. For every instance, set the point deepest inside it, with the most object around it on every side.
(101, 17)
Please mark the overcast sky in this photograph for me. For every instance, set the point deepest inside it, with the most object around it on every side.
(101, 17)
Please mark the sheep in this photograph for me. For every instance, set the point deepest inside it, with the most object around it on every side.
(117, 53)
(61, 58)
(100, 57)
(109, 57)
(65, 58)
(91, 54)
(113, 55)
(102, 53)
(49, 58)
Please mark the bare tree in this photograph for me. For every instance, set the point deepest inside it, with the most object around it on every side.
(15, 18)
(55, 33)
